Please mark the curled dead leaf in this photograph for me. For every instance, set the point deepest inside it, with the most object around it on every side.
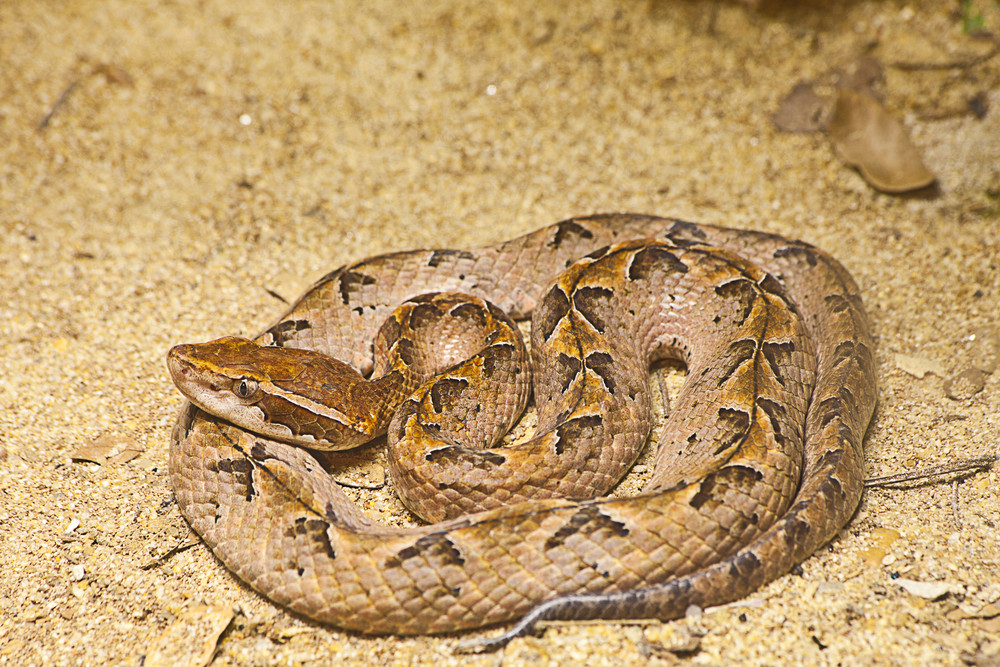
(866, 137)
(802, 111)
(918, 367)
(115, 74)
(863, 76)
(108, 447)
(191, 641)
(965, 384)
(929, 590)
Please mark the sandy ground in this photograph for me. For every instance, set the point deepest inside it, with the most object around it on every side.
(169, 169)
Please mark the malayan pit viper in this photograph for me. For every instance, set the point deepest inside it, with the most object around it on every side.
(759, 464)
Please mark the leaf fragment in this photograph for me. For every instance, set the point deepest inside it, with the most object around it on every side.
(802, 110)
(929, 590)
(191, 641)
(918, 367)
(866, 137)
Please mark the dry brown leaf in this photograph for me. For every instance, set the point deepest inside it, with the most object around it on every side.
(115, 74)
(882, 539)
(966, 384)
(929, 590)
(802, 110)
(130, 452)
(866, 137)
(918, 367)
(108, 447)
(862, 76)
(991, 625)
(191, 640)
(988, 611)
(93, 452)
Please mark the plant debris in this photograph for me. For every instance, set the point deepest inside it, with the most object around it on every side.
(108, 448)
(965, 384)
(866, 137)
(192, 639)
(918, 367)
(802, 111)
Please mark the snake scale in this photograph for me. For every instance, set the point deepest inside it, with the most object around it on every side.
(759, 464)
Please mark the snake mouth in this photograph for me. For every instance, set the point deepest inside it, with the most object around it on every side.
(196, 385)
(210, 392)
(180, 367)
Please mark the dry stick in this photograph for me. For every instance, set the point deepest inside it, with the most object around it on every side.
(55, 107)
(954, 503)
(955, 64)
(186, 544)
(965, 465)
(276, 295)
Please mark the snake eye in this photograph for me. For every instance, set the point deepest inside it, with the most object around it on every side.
(245, 388)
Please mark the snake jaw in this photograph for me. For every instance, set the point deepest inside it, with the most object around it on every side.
(224, 395)
(242, 382)
(202, 386)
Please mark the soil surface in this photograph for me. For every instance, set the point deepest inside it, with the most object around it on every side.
(175, 171)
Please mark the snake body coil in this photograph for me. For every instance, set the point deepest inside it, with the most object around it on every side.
(759, 465)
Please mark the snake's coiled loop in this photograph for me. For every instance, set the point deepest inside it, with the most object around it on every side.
(752, 475)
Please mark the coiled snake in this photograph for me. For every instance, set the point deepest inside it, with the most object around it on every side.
(759, 464)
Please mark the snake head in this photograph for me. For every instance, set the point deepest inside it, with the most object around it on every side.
(217, 376)
(282, 393)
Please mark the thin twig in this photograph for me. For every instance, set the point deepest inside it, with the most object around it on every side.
(55, 107)
(954, 64)
(966, 465)
(182, 546)
(954, 503)
(276, 295)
